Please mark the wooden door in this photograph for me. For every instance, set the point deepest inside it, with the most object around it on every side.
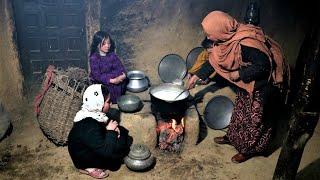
(50, 32)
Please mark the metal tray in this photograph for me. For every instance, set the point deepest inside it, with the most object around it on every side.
(172, 67)
(192, 56)
(218, 111)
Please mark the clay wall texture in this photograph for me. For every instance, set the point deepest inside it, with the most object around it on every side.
(147, 30)
(11, 79)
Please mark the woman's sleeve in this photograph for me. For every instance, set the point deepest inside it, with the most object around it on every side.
(96, 74)
(205, 70)
(260, 65)
(104, 143)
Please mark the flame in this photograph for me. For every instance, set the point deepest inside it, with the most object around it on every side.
(182, 122)
(178, 128)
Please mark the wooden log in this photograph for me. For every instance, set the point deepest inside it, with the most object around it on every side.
(300, 132)
(304, 116)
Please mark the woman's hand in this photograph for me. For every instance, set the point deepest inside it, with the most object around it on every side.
(112, 125)
(234, 76)
(192, 81)
(189, 76)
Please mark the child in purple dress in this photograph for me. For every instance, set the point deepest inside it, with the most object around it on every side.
(105, 66)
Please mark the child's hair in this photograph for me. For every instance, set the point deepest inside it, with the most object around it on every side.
(207, 43)
(105, 91)
(98, 39)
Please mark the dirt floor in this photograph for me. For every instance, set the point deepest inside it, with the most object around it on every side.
(27, 154)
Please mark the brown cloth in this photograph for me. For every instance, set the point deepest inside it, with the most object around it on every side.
(228, 35)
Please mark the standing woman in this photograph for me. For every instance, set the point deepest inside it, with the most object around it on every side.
(244, 56)
(105, 66)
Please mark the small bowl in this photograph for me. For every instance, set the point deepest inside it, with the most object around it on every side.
(129, 103)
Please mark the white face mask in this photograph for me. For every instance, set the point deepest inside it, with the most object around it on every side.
(93, 102)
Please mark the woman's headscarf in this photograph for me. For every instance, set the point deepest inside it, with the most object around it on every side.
(229, 34)
(93, 102)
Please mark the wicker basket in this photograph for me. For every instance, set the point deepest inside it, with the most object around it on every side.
(59, 105)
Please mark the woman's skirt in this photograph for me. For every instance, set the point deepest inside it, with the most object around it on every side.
(247, 131)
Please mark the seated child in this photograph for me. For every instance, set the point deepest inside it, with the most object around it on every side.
(95, 142)
(105, 66)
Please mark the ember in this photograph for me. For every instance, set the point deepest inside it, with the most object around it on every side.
(170, 135)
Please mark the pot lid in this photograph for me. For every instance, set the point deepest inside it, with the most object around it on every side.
(139, 152)
(218, 111)
(172, 67)
(192, 56)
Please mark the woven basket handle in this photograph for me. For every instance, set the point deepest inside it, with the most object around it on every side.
(75, 85)
(59, 79)
(83, 88)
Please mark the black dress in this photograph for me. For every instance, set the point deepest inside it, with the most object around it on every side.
(90, 145)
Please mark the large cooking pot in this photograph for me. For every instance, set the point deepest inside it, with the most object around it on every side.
(138, 81)
(169, 99)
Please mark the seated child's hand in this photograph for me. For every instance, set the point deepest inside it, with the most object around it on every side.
(118, 131)
(113, 125)
(118, 79)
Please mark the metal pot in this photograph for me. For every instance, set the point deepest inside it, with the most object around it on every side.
(129, 103)
(139, 158)
(138, 81)
(169, 99)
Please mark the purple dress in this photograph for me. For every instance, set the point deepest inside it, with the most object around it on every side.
(104, 68)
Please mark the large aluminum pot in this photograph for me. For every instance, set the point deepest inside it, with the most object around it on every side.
(139, 158)
(129, 103)
(169, 99)
(138, 81)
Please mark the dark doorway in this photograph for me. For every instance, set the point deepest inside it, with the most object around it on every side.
(50, 32)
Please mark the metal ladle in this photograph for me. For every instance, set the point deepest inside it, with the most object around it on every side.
(179, 94)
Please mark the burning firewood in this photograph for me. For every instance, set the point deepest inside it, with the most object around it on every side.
(170, 135)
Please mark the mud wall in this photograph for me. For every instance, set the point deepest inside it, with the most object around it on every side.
(147, 30)
(92, 19)
(11, 79)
